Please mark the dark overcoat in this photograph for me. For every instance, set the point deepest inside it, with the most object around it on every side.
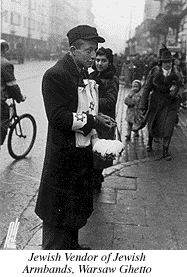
(65, 197)
(108, 94)
(163, 107)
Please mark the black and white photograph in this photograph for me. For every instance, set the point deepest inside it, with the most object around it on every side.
(93, 138)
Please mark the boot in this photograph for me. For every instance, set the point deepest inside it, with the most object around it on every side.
(149, 145)
(166, 155)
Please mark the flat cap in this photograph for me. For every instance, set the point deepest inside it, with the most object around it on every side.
(84, 32)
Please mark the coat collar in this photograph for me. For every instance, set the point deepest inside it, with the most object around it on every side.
(70, 65)
(106, 74)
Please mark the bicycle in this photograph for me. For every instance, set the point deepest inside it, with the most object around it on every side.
(22, 130)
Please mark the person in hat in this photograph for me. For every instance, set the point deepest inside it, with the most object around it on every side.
(164, 82)
(65, 197)
(104, 75)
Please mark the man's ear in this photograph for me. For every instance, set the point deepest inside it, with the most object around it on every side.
(73, 49)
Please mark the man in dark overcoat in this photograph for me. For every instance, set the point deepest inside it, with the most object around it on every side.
(161, 95)
(65, 198)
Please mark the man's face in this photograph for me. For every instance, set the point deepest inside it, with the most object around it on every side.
(101, 63)
(86, 54)
(167, 65)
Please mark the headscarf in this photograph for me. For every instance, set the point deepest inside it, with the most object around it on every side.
(138, 82)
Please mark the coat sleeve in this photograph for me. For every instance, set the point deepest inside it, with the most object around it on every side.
(57, 102)
(12, 88)
(109, 99)
(130, 101)
(8, 72)
(146, 91)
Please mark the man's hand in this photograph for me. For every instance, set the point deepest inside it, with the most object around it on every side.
(108, 118)
(102, 123)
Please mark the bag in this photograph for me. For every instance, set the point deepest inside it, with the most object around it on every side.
(100, 162)
(140, 121)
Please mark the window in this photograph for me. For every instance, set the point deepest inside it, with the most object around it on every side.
(17, 1)
(5, 15)
(33, 5)
(15, 18)
(25, 22)
(32, 24)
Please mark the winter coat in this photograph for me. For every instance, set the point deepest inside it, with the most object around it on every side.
(108, 93)
(163, 107)
(133, 102)
(65, 197)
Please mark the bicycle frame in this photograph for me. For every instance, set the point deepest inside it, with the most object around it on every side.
(13, 117)
(13, 112)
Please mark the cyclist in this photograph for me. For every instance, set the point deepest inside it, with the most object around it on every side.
(9, 89)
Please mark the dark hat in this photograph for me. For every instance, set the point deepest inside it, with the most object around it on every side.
(166, 56)
(84, 32)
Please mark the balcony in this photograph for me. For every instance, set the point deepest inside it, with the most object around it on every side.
(173, 13)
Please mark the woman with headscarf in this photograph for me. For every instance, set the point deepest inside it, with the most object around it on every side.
(164, 82)
(104, 75)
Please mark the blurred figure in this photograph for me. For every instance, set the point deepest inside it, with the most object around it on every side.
(133, 102)
(9, 89)
(20, 52)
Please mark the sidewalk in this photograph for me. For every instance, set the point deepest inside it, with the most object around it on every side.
(142, 204)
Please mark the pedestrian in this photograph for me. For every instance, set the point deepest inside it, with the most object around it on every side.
(104, 75)
(9, 89)
(164, 81)
(20, 51)
(132, 100)
(65, 198)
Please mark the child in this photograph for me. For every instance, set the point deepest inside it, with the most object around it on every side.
(132, 101)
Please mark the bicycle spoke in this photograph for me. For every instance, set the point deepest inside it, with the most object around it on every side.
(22, 136)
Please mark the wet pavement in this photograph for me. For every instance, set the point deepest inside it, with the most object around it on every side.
(142, 204)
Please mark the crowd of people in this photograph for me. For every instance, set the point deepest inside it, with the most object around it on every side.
(138, 66)
(80, 109)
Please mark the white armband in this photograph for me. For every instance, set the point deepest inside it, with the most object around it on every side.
(79, 120)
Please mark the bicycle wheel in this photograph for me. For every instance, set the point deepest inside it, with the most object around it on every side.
(22, 136)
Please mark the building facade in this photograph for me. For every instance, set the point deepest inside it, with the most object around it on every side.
(26, 21)
(151, 9)
(169, 26)
(42, 24)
